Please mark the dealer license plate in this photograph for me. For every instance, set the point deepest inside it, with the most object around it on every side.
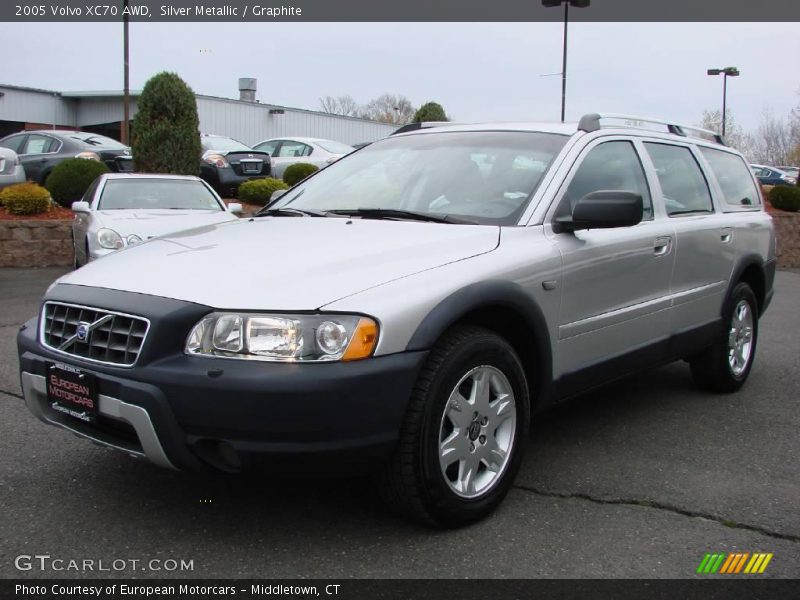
(72, 392)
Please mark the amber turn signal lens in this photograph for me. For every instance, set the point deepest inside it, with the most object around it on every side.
(364, 340)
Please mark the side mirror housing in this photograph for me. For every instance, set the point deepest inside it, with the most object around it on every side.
(235, 208)
(277, 194)
(80, 207)
(603, 209)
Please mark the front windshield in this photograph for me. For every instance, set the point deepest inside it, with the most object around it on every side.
(479, 177)
(223, 144)
(152, 194)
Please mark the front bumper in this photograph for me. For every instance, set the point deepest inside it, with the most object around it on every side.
(194, 413)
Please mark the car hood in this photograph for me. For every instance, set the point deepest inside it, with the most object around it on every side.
(152, 223)
(283, 263)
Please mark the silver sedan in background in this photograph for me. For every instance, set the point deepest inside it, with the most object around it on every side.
(289, 151)
(11, 170)
(120, 210)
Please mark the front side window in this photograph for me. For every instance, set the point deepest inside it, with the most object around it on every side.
(157, 194)
(268, 147)
(738, 188)
(483, 177)
(608, 166)
(683, 185)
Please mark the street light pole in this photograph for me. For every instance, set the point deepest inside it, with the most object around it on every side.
(567, 4)
(126, 99)
(726, 72)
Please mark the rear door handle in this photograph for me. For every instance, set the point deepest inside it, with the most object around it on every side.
(726, 234)
(662, 245)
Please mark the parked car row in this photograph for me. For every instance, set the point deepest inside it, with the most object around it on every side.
(775, 176)
(225, 163)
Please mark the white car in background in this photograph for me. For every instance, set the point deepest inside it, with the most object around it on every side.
(120, 210)
(11, 170)
(288, 151)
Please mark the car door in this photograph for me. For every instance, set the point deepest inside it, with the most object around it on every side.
(705, 251)
(38, 156)
(615, 289)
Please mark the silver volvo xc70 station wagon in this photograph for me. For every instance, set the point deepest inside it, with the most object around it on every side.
(406, 310)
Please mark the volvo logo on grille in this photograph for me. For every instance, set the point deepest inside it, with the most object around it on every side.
(82, 333)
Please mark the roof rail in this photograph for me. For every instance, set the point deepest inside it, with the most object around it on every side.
(592, 122)
(423, 125)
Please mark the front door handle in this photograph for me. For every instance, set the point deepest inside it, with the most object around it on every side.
(662, 245)
(726, 234)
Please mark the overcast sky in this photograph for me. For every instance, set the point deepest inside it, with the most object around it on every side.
(477, 71)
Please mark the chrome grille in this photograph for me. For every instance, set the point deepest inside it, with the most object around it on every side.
(111, 337)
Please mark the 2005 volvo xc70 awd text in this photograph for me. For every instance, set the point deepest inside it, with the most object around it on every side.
(404, 311)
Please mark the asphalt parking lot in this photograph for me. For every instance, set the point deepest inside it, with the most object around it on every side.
(637, 480)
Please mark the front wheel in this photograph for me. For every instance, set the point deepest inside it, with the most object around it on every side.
(464, 432)
(725, 366)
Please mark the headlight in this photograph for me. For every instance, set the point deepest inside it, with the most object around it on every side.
(308, 338)
(88, 155)
(133, 239)
(217, 160)
(108, 238)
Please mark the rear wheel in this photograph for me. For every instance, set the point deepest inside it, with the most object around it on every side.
(464, 433)
(725, 366)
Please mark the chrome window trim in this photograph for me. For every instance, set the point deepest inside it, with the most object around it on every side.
(96, 309)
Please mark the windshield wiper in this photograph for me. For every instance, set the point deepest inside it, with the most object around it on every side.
(288, 212)
(394, 213)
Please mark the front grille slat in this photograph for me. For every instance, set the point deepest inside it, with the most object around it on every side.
(114, 338)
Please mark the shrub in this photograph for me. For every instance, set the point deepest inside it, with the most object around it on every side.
(166, 136)
(25, 199)
(259, 191)
(430, 111)
(297, 172)
(70, 179)
(785, 197)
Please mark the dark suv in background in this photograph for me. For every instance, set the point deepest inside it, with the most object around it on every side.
(227, 163)
(40, 151)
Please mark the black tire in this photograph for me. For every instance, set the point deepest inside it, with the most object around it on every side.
(413, 482)
(712, 369)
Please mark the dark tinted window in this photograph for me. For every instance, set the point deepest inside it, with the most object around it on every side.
(609, 166)
(96, 141)
(683, 184)
(13, 143)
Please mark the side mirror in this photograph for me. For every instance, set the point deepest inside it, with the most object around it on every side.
(277, 194)
(80, 207)
(603, 209)
(235, 208)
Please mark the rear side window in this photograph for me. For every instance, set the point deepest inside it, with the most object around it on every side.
(733, 176)
(683, 185)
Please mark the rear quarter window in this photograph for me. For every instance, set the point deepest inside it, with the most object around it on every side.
(733, 176)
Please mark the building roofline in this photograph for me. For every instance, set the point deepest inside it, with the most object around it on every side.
(294, 109)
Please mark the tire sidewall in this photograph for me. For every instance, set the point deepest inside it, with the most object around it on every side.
(484, 349)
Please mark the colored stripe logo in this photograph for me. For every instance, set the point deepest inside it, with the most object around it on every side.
(737, 562)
